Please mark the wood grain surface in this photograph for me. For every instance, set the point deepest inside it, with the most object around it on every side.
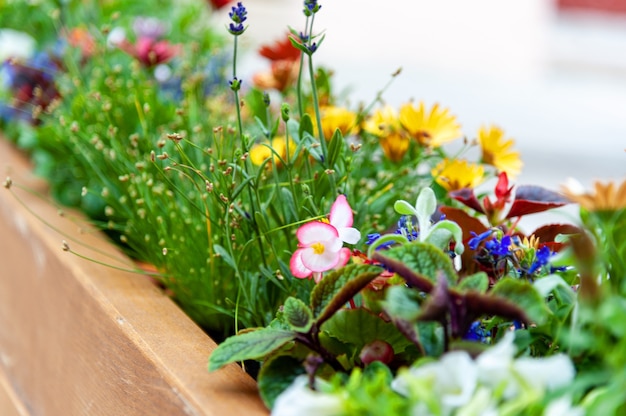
(78, 338)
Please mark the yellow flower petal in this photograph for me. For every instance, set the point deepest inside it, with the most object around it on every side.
(604, 197)
(498, 152)
(430, 128)
(458, 174)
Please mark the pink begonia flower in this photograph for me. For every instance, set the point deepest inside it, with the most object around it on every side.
(341, 218)
(320, 243)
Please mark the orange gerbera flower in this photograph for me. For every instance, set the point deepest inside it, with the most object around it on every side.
(430, 128)
(604, 197)
(457, 174)
(498, 152)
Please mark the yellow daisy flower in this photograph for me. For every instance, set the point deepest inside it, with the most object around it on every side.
(384, 124)
(430, 128)
(498, 152)
(395, 146)
(266, 150)
(334, 118)
(604, 197)
(457, 174)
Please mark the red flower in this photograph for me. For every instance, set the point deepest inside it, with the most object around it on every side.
(218, 4)
(281, 50)
(150, 52)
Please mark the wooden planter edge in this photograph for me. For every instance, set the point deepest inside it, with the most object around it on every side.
(77, 337)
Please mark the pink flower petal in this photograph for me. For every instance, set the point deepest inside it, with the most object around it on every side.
(341, 213)
(316, 231)
(344, 257)
(319, 262)
(298, 269)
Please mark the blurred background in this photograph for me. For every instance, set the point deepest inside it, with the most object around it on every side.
(552, 73)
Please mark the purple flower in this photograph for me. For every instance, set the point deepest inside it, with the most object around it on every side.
(238, 15)
(542, 256)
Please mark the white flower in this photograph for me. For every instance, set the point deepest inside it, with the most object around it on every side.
(546, 373)
(116, 37)
(495, 364)
(563, 407)
(299, 400)
(453, 379)
(17, 45)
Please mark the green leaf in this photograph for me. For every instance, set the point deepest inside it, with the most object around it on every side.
(249, 346)
(404, 208)
(442, 232)
(259, 218)
(289, 205)
(360, 327)
(299, 45)
(276, 375)
(425, 206)
(297, 314)
(402, 302)
(338, 287)
(306, 125)
(524, 295)
(477, 281)
(221, 251)
(419, 264)
(335, 147)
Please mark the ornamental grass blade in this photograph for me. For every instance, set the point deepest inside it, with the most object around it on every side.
(338, 287)
(249, 346)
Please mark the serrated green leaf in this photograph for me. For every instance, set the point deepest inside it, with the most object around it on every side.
(524, 295)
(360, 327)
(477, 281)
(251, 345)
(419, 264)
(297, 314)
(402, 303)
(276, 375)
(338, 287)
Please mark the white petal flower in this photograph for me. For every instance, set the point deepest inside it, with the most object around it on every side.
(563, 407)
(299, 400)
(453, 379)
(546, 372)
(15, 44)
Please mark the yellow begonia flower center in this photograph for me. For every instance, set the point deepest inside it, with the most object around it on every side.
(318, 248)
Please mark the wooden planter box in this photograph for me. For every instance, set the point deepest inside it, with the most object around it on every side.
(78, 338)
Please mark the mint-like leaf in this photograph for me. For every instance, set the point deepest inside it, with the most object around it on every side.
(247, 346)
(297, 314)
(338, 287)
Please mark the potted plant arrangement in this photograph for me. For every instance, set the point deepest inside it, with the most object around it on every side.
(350, 258)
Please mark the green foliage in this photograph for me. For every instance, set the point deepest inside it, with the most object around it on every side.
(255, 344)
(419, 263)
(339, 287)
(297, 314)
